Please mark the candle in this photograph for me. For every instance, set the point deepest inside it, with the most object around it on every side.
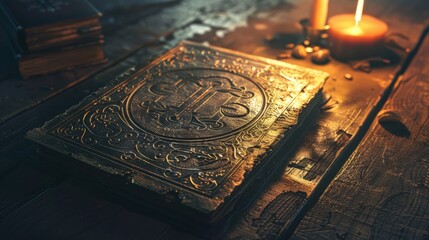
(356, 36)
(319, 13)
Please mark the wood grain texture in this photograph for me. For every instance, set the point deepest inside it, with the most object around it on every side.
(348, 105)
(58, 214)
(383, 190)
(16, 152)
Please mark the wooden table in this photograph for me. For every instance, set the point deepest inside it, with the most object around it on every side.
(351, 178)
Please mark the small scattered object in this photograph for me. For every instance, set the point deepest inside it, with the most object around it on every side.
(391, 121)
(365, 65)
(290, 46)
(299, 52)
(260, 26)
(284, 55)
(348, 76)
(309, 49)
(306, 42)
(316, 48)
(320, 57)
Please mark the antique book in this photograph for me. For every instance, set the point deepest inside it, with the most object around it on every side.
(53, 35)
(37, 25)
(189, 133)
(56, 60)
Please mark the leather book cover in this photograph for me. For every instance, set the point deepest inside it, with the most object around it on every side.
(190, 132)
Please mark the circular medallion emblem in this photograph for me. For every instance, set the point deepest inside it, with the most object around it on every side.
(196, 104)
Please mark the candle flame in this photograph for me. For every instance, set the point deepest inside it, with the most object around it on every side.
(359, 10)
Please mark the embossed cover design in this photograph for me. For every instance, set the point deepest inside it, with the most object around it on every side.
(197, 122)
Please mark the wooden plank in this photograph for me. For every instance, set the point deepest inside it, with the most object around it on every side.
(342, 117)
(291, 188)
(29, 188)
(11, 140)
(383, 190)
(59, 214)
(119, 13)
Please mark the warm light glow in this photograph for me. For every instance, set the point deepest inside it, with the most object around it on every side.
(359, 11)
(353, 31)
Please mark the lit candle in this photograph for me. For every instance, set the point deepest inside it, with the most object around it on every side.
(319, 13)
(356, 36)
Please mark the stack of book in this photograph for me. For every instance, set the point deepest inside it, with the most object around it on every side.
(53, 35)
